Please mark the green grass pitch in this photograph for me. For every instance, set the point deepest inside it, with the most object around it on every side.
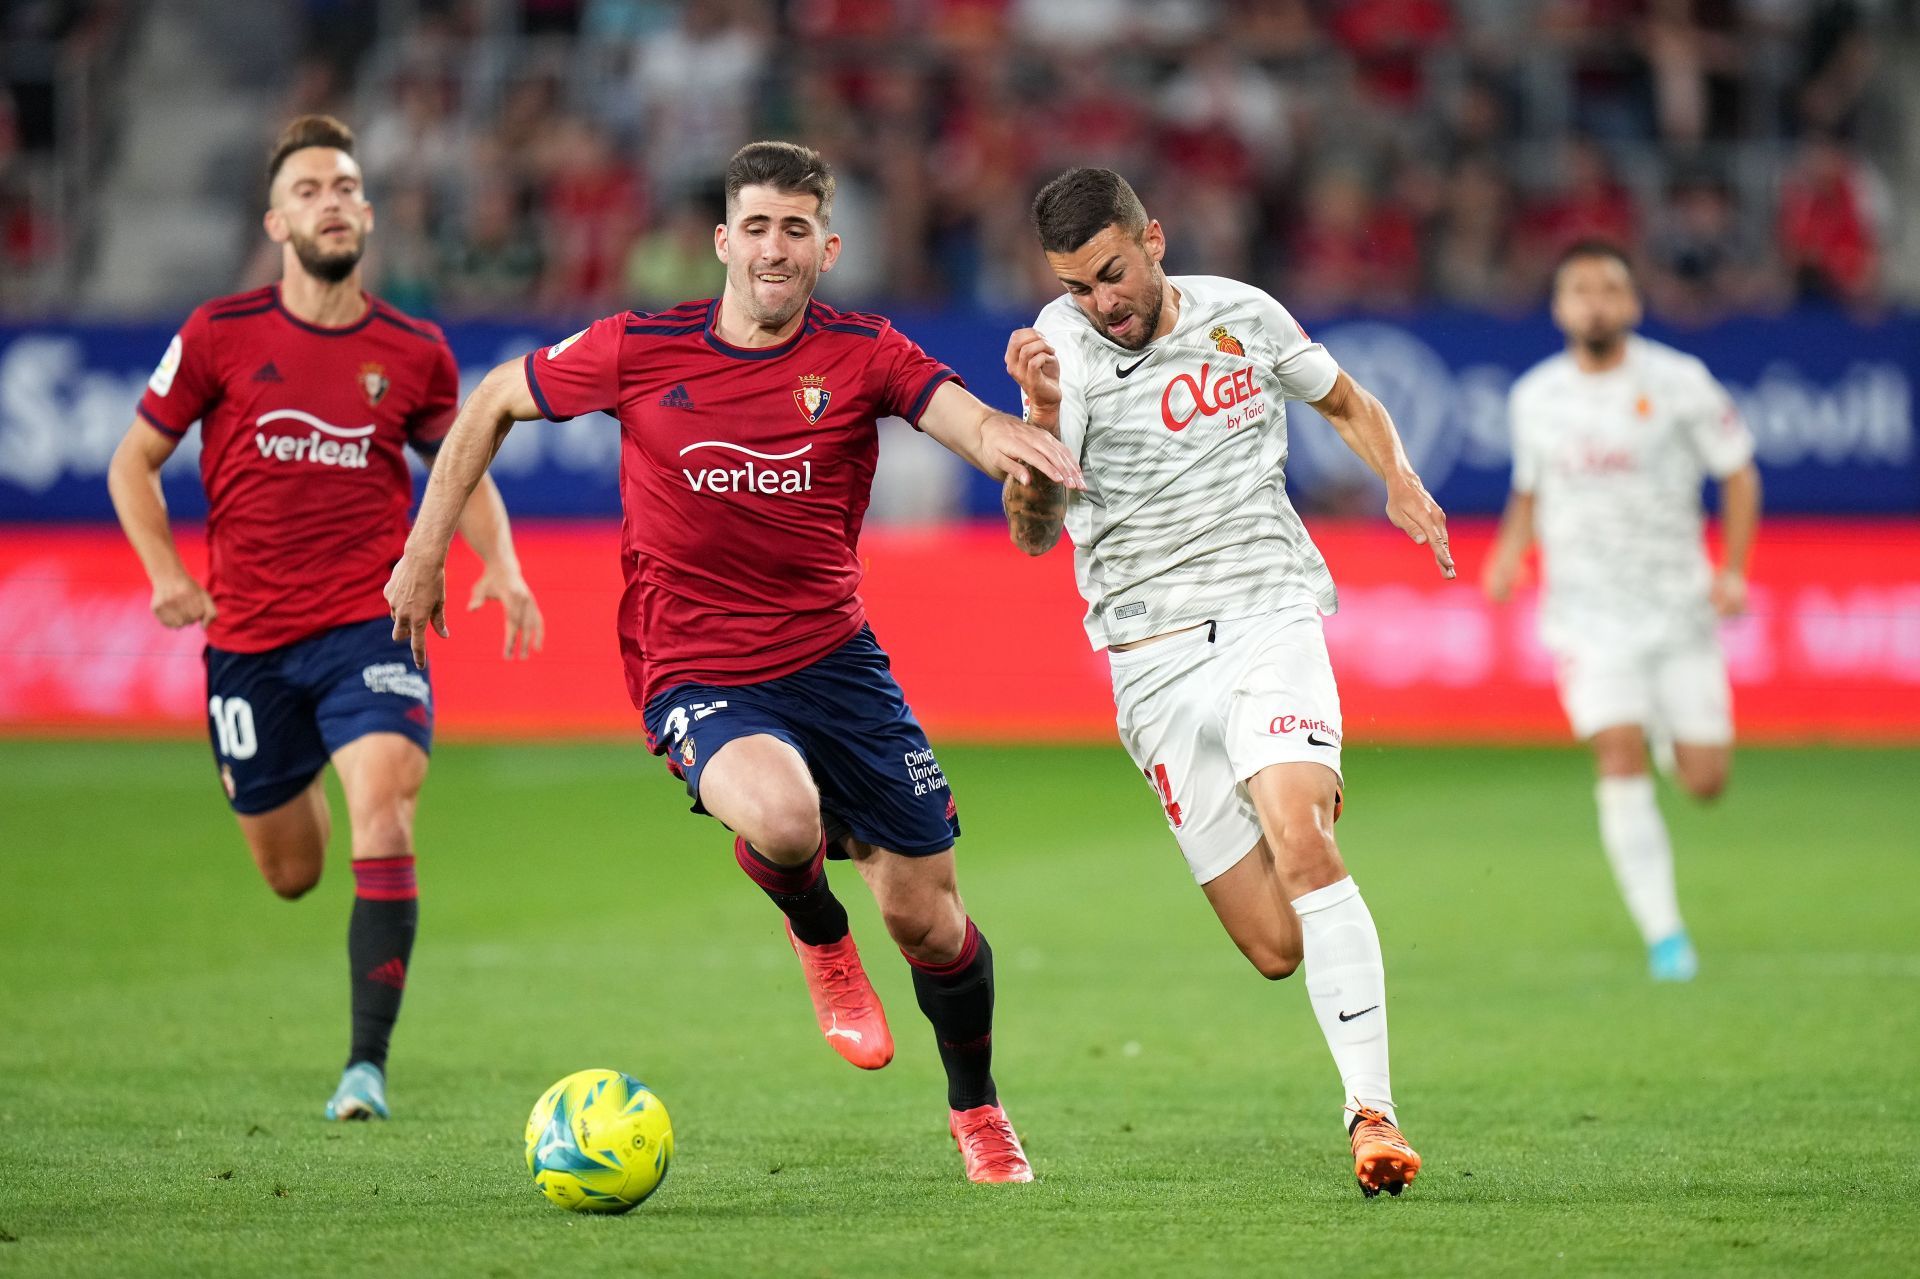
(169, 1032)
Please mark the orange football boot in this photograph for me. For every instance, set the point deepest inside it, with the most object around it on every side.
(987, 1139)
(844, 1002)
(1382, 1159)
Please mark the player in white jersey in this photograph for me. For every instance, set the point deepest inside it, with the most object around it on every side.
(1202, 584)
(1612, 440)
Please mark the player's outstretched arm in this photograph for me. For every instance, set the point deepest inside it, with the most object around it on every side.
(133, 482)
(1739, 526)
(1364, 424)
(999, 444)
(1036, 510)
(417, 591)
(1509, 548)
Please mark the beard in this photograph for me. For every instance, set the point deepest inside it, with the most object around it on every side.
(1601, 343)
(775, 317)
(329, 268)
(1149, 318)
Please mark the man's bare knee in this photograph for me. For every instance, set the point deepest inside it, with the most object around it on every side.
(292, 878)
(1274, 965)
(928, 931)
(785, 832)
(1704, 784)
(912, 931)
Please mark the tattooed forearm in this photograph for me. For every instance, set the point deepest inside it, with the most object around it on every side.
(1035, 512)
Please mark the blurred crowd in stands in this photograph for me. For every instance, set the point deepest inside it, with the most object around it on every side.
(562, 156)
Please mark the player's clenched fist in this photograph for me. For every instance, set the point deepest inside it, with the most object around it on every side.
(1032, 362)
(181, 601)
(417, 599)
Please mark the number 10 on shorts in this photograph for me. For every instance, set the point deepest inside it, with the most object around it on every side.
(233, 727)
(1157, 778)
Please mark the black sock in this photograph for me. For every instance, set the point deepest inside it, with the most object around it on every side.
(800, 892)
(386, 912)
(958, 999)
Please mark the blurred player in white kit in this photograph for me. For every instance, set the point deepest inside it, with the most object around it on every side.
(1204, 588)
(1612, 441)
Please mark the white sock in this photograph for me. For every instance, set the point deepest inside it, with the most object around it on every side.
(1347, 985)
(1635, 837)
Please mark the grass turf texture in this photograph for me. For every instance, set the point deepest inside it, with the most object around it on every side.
(169, 1032)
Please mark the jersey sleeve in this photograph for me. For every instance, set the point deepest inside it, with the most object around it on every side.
(1304, 368)
(908, 376)
(1526, 459)
(431, 421)
(1073, 387)
(186, 382)
(580, 374)
(1714, 428)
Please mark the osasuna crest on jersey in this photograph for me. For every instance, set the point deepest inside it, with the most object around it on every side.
(812, 397)
(374, 383)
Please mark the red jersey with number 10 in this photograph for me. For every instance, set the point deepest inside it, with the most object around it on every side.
(744, 476)
(303, 434)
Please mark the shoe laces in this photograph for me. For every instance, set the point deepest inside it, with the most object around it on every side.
(990, 1139)
(1368, 1117)
(841, 976)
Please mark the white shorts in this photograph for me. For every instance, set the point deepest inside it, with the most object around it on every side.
(1204, 710)
(1678, 692)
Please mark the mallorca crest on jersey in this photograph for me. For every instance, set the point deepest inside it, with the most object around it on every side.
(812, 397)
(1225, 341)
(373, 383)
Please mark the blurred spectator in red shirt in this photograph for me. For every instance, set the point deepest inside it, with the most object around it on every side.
(1589, 203)
(1831, 209)
(1389, 41)
(1219, 89)
(593, 205)
(1093, 118)
(1351, 251)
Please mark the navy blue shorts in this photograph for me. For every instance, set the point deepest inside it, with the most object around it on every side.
(277, 717)
(847, 717)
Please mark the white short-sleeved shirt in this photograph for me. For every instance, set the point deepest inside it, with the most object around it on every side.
(1615, 462)
(1184, 446)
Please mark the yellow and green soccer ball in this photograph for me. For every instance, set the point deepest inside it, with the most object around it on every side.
(599, 1141)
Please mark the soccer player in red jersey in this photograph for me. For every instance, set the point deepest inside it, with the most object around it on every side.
(748, 448)
(308, 393)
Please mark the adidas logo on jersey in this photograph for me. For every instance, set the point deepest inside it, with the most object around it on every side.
(268, 373)
(677, 398)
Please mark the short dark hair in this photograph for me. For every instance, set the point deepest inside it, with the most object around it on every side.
(1583, 250)
(784, 166)
(1080, 204)
(308, 131)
